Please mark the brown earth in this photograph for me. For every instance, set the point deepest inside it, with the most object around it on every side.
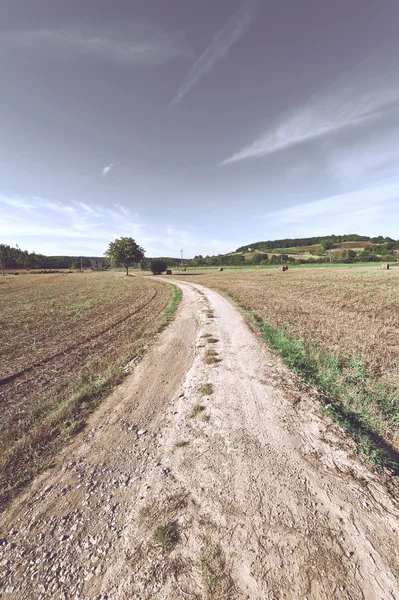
(62, 334)
(177, 489)
(351, 311)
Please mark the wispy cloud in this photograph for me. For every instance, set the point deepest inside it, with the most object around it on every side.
(75, 228)
(372, 159)
(370, 210)
(355, 103)
(235, 28)
(52, 226)
(106, 170)
(140, 45)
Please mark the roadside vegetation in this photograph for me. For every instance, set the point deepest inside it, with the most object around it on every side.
(339, 331)
(66, 340)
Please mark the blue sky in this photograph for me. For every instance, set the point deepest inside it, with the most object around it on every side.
(202, 126)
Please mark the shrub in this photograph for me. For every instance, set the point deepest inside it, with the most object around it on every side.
(158, 266)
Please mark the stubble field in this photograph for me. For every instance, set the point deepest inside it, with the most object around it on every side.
(339, 328)
(65, 339)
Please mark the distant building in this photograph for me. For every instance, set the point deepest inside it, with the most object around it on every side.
(97, 264)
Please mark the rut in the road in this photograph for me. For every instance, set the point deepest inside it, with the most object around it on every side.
(207, 479)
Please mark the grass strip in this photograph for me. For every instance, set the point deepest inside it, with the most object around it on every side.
(174, 303)
(366, 409)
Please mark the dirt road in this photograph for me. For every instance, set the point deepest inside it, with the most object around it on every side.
(205, 475)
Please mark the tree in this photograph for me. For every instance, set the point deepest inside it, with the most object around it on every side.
(158, 266)
(258, 258)
(327, 245)
(345, 256)
(143, 264)
(3, 256)
(124, 252)
(275, 259)
(198, 261)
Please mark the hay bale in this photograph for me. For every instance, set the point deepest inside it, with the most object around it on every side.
(385, 267)
(168, 272)
(283, 268)
(220, 268)
(183, 269)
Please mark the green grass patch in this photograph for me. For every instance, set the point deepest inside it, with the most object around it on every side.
(166, 536)
(206, 389)
(174, 303)
(365, 408)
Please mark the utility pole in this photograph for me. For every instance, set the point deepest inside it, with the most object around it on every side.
(181, 254)
(81, 264)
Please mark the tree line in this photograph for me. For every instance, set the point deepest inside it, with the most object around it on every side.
(311, 241)
(15, 258)
(126, 252)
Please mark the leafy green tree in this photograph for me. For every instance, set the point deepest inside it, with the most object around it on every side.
(198, 261)
(258, 258)
(124, 252)
(3, 256)
(345, 256)
(143, 264)
(158, 266)
(275, 260)
(327, 245)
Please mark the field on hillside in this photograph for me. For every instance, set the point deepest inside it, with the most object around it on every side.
(64, 340)
(351, 311)
(346, 325)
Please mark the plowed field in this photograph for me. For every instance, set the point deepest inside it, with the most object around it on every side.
(65, 336)
(353, 312)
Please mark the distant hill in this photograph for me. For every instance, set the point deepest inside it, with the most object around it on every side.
(312, 241)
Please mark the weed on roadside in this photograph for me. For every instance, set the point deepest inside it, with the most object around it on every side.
(206, 389)
(211, 352)
(196, 410)
(210, 357)
(217, 581)
(181, 444)
(211, 360)
(166, 536)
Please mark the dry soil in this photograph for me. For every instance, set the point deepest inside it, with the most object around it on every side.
(242, 492)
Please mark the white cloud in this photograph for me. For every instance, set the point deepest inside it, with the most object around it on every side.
(142, 44)
(76, 228)
(372, 211)
(235, 28)
(354, 103)
(372, 159)
(63, 227)
(106, 170)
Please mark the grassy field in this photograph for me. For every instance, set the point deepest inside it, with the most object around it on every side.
(65, 340)
(338, 328)
(373, 265)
